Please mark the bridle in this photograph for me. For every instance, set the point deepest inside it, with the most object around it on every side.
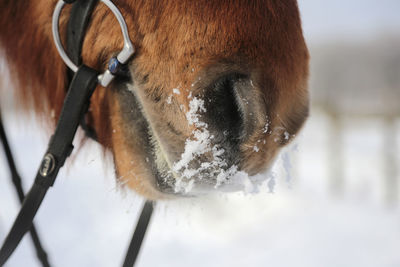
(80, 20)
(81, 87)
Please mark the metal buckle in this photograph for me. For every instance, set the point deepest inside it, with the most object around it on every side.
(105, 78)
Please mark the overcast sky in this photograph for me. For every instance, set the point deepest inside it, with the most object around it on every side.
(350, 19)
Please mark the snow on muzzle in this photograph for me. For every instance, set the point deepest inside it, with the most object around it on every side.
(211, 155)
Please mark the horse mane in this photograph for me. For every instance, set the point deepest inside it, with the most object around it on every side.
(37, 73)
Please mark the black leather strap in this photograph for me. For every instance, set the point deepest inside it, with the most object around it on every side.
(78, 23)
(75, 106)
(138, 235)
(16, 179)
(76, 30)
(60, 147)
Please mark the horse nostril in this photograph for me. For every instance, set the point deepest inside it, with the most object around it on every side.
(224, 113)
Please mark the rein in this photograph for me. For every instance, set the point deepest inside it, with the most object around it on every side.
(76, 103)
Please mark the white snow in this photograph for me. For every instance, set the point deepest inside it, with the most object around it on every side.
(200, 144)
(286, 135)
(176, 91)
(266, 127)
(287, 165)
(169, 99)
(86, 211)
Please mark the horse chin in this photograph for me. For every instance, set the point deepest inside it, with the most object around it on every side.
(141, 163)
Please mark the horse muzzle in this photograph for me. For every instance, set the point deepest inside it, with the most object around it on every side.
(222, 114)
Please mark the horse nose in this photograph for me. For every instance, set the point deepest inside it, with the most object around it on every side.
(227, 109)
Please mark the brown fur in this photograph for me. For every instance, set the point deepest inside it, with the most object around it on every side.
(176, 42)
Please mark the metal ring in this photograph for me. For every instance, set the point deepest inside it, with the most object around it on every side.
(123, 56)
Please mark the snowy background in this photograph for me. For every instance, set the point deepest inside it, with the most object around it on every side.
(336, 205)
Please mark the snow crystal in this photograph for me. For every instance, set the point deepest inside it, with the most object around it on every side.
(202, 159)
(266, 127)
(271, 182)
(196, 106)
(199, 144)
(169, 100)
(287, 135)
(287, 166)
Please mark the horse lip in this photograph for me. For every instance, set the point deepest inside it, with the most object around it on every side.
(155, 158)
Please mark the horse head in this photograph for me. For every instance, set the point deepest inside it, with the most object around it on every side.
(215, 87)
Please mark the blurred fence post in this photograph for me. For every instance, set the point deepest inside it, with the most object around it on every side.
(335, 155)
(389, 150)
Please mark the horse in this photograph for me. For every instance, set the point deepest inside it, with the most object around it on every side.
(214, 88)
